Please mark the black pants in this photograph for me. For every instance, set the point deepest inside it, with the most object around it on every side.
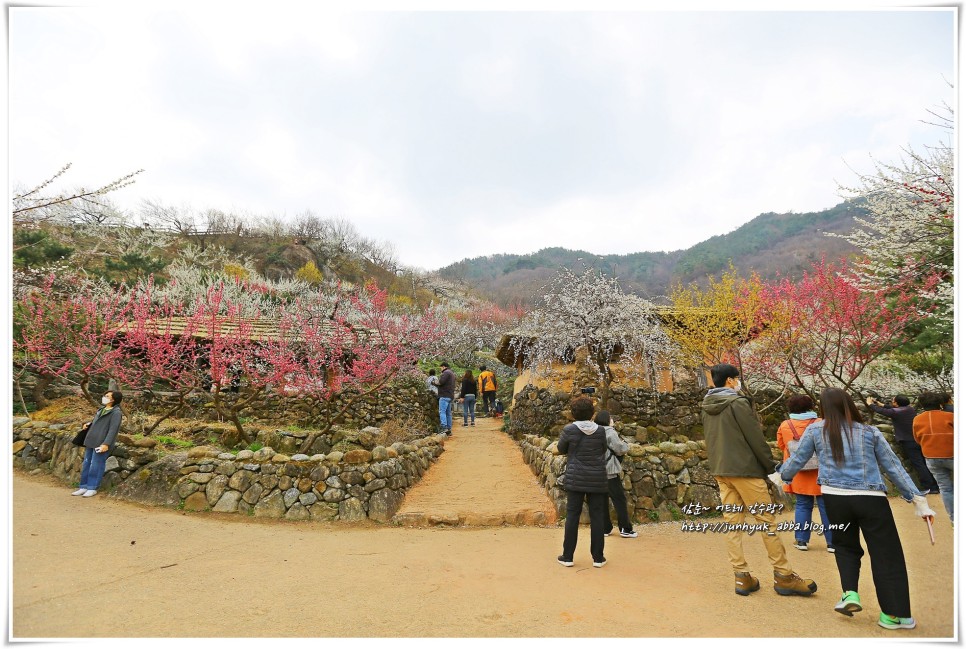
(873, 516)
(597, 507)
(619, 498)
(489, 401)
(913, 453)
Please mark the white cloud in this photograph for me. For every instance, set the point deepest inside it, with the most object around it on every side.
(458, 134)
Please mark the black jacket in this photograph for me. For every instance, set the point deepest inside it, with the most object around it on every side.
(468, 387)
(447, 384)
(586, 467)
(901, 420)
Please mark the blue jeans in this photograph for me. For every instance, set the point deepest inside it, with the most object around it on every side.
(803, 518)
(941, 469)
(446, 413)
(92, 471)
(469, 408)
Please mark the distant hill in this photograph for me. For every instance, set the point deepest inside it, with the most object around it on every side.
(770, 244)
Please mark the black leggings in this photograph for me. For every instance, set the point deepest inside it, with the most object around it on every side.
(873, 516)
(619, 498)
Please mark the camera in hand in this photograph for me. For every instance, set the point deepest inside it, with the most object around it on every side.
(589, 390)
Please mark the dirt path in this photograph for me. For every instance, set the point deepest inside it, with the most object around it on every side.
(481, 479)
(163, 573)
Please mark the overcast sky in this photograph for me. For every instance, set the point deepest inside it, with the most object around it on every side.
(461, 134)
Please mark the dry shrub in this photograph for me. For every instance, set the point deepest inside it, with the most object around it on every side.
(66, 409)
(401, 428)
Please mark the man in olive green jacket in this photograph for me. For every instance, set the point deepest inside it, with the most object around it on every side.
(740, 460)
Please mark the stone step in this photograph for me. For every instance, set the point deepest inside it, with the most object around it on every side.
(525, 517)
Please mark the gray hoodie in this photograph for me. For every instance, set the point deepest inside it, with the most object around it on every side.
(616, 447)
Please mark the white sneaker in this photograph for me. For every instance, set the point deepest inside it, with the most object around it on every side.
(79, 492)
(600, 564)
(90, 492)
(629, 534)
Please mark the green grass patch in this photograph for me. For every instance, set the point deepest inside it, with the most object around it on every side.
(256, 446)
(172, 441)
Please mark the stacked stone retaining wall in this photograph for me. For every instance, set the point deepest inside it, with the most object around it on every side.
(351, 486)
(647, 416)
(401, 401)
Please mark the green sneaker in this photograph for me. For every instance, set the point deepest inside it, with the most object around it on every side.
(849, 603)
(893, 622)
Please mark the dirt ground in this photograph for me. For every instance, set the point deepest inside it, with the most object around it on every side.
(157, 572)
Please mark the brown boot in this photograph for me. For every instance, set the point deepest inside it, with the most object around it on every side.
(792, 584)
(745, 584)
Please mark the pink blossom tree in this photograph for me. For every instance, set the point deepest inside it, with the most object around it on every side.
(831, 330)
(354, 349)
(71, 337)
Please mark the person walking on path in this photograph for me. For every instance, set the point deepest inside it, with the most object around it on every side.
(585, 478)
(447, 388)
(616, 447)
(740, 460)
(933, 431)
(902, 414)
(804, 486)
(99, 442)
(850, 453)
(468, 398)
(488, 387)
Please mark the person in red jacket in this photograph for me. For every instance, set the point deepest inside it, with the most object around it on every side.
(933, 431)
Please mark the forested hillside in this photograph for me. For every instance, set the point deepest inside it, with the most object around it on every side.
(768, 244)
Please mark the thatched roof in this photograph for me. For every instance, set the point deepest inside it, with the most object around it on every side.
(260, 329)
(507, 355)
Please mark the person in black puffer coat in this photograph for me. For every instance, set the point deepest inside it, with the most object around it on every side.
(584, 444)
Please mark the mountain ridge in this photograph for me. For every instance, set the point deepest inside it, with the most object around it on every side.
(770, 244)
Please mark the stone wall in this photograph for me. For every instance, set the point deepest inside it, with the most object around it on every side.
(404, 400)
(647, 416)
(399, 401)
(349, 486)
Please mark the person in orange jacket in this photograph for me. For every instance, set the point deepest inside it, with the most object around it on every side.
(933, 431)
(488, 386)
(804, 485)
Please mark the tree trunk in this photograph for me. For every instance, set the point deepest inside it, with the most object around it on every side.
(23, 404)
(178, 406)
(43, 382)
(85, 384)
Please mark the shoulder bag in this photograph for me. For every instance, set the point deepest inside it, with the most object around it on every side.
(812, 463)
(81, 435)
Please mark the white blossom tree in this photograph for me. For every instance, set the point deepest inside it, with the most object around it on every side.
(41, 203)
(592, 312)
(907, 239)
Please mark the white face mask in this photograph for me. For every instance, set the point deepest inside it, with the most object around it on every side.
(105, 399)
(738, 385)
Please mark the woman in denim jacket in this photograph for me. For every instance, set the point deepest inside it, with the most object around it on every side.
(850, 454)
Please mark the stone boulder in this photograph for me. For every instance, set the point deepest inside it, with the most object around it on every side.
(155, 483)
